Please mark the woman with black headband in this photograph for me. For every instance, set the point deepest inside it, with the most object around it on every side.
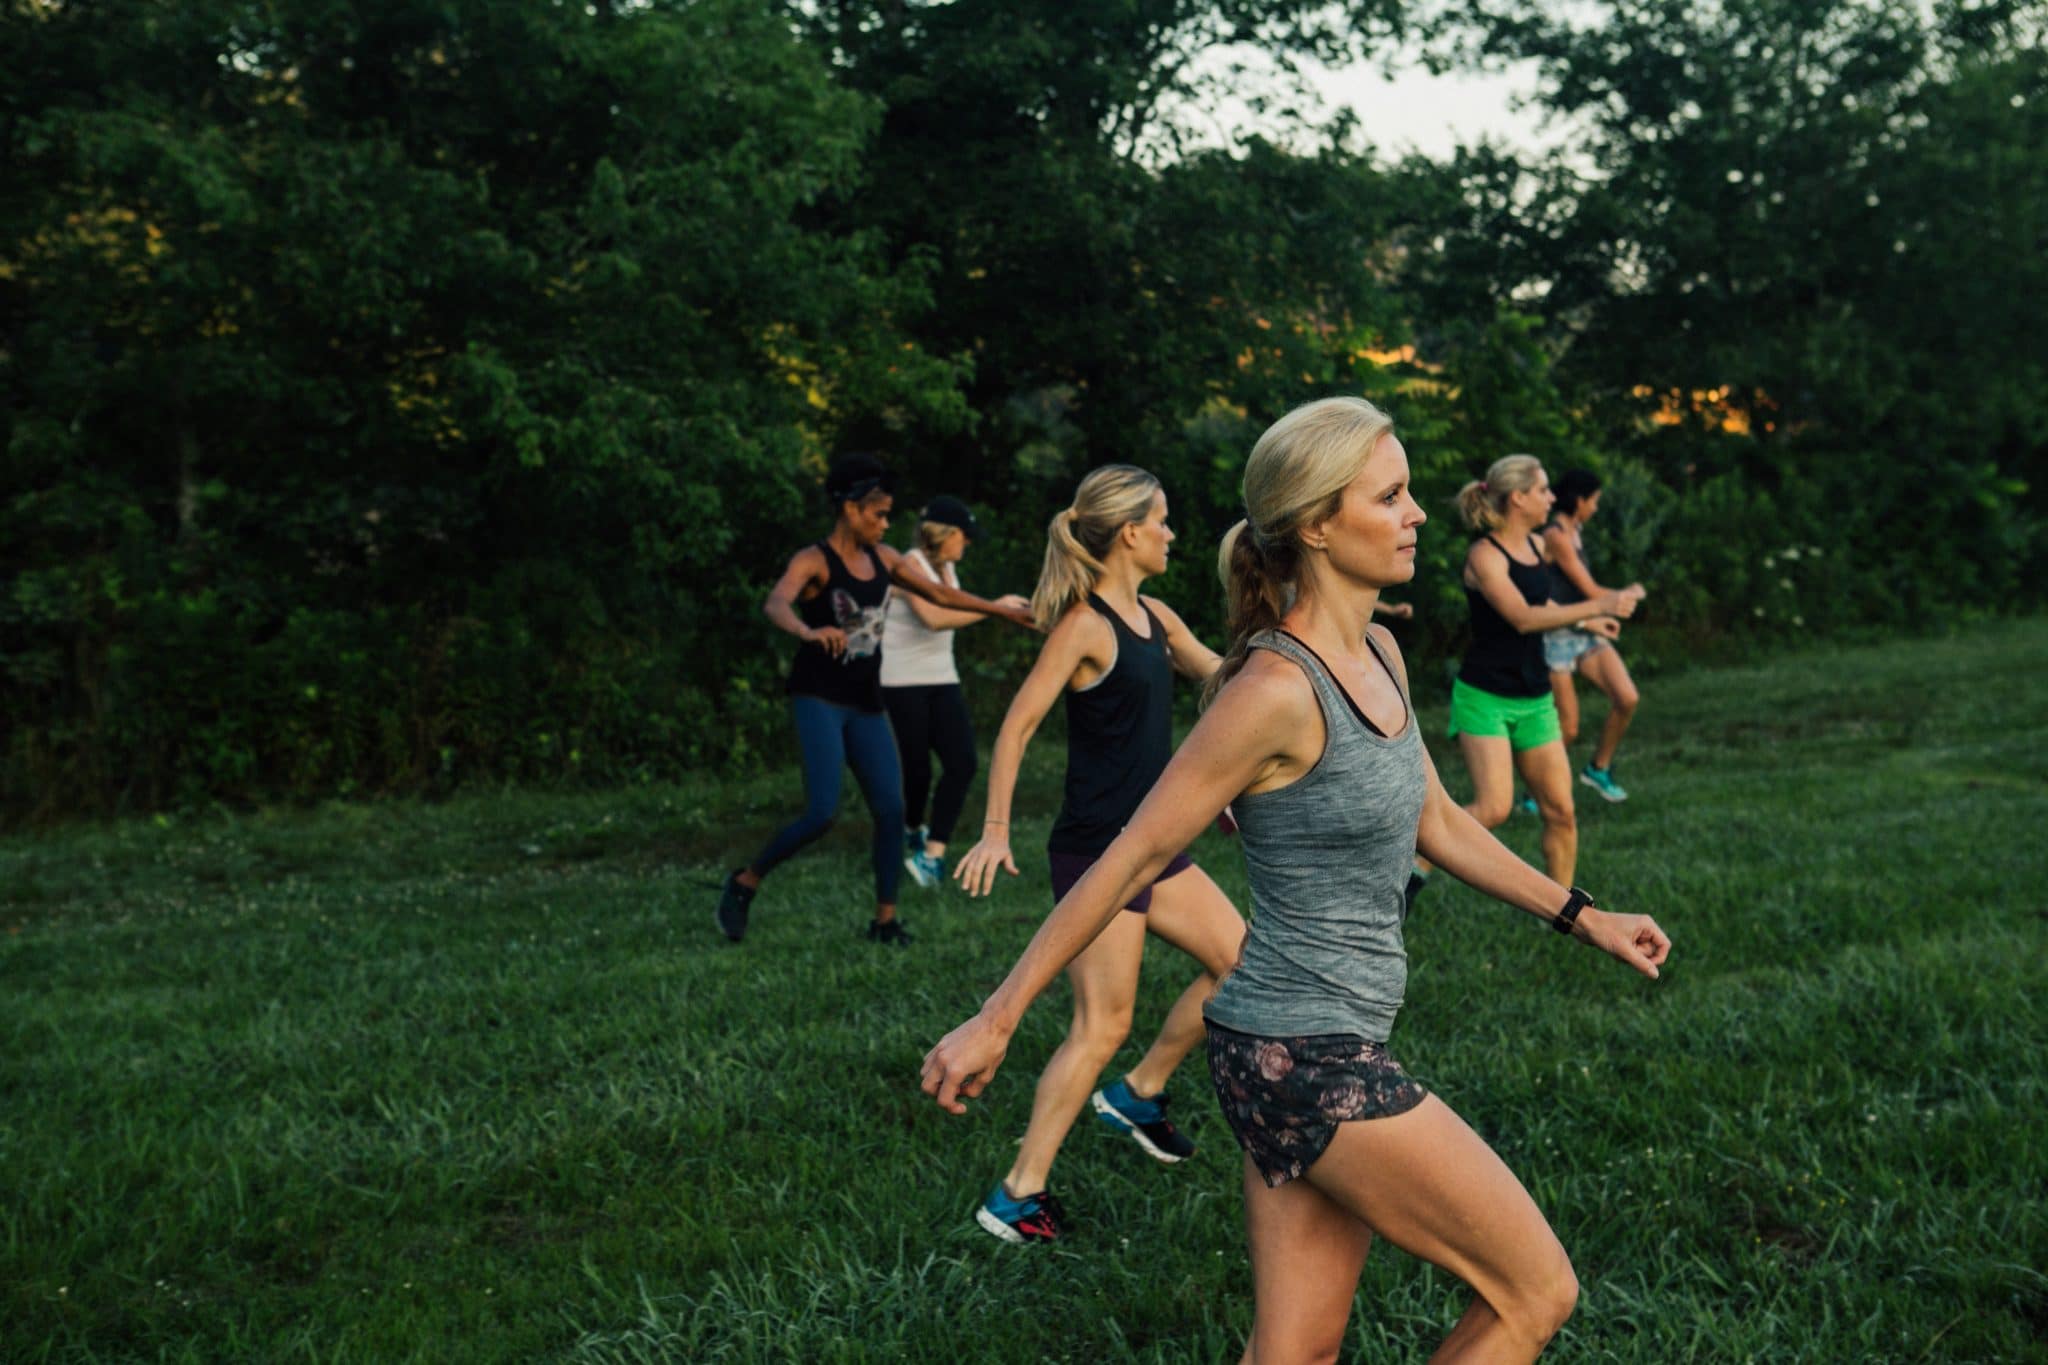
(832, 597)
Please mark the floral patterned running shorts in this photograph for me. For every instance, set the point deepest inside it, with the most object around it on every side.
(1284, 1097)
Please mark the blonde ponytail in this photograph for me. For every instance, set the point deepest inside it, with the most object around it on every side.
(1079, 537)
(1483, 503)
(1295, 477)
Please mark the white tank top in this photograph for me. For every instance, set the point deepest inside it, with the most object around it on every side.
(913, 654)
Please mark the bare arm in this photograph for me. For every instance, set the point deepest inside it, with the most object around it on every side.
(1449, 837)
(1243, 735)
(1191, 658)
(806, 569)
(1487, 570)
(1081, 638)
(934, 617)
(910, 580)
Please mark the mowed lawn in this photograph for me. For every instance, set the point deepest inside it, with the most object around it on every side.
(478, 1080)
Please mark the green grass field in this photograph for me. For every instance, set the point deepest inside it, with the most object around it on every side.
(478, 1081)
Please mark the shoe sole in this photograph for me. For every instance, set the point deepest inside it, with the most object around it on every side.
(1605, 795)
(1106, 1111)
(997, 1228)
(910, 866)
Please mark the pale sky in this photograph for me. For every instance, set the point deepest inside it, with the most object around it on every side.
(1413, 112)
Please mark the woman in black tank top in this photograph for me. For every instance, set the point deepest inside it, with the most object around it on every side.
(832, 597)
(1502, 712)
(1111, 654)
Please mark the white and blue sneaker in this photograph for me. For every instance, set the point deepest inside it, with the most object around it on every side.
(913, 839)
(1602, 780)
(925, 870)
(1144, 1120)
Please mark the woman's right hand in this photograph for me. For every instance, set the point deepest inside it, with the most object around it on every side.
(1621, 603)
(976, 872)
(964, 1062)
(1014, 601)
(831, 637)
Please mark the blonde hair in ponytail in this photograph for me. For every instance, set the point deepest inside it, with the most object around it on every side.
(1483, 503)
(1109, 499)
(1295, 477)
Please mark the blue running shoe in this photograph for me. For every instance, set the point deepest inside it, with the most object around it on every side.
(1602, 780)
(733, 903)
(1034, 1218)
(1144, 1120)
(913, 839)
(1527, 805)
(925, 870)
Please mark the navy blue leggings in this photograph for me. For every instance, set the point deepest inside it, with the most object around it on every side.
(832, 738)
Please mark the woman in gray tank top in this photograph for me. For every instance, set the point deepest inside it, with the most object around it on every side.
(1313, 741)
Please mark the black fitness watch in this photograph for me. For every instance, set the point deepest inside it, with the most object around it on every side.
(1568, 917)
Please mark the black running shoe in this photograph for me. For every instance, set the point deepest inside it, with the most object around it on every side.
(1034, 1218)
(1144, 1121)
(732, 907)
(888, 931)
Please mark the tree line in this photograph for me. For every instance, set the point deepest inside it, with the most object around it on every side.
(405, 395)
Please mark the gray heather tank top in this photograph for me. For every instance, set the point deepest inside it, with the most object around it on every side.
(1328, 858)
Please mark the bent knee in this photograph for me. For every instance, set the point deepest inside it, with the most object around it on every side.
(1558, 814)
(1625, 701)
(1100, 1033)
(1541, 1308)
(1490, 813)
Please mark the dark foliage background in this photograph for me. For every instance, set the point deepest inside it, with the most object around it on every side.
(419, 394)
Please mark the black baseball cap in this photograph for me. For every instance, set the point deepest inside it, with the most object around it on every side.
(948, 510)
(853, 476)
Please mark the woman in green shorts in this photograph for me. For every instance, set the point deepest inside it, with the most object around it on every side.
(1502, 712)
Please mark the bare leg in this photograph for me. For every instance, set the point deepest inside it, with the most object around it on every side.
(1605, 670)
(1566, 695)
(1428, 1184)
(1493, 781)
(1191, 912)
(1547, 773)
(1105, 981)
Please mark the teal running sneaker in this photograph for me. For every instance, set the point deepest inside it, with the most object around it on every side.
(913, 839)
(1527, 805)
(1144, 1121)
(1034, 1218)
(924, 869)
(1602, 780)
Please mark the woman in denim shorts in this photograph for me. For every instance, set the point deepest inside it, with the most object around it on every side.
(1312, 740)
(1575, 649)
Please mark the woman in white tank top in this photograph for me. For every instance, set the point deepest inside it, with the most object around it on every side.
(921, 688)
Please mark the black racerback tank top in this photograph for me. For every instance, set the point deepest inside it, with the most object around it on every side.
(1501, 659)
(1119, 737)
(856, 606)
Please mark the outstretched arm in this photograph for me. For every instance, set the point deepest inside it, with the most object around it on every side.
(1080, 638)
(1191, 658)
(905, 576)
(1239, 739)
(1449, 837)
(935, 617)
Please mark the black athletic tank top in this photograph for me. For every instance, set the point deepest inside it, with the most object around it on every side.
(857, 607)
(1501, 659)
(1119, 736)
(1563, 591)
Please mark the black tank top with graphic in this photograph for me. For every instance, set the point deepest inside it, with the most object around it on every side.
(856, 606)
(1119, 736)
(1502, 660)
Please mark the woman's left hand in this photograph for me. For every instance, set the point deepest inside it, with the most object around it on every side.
(1604, 626)
(1634, 939)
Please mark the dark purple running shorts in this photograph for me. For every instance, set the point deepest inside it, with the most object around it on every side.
(1068, 867)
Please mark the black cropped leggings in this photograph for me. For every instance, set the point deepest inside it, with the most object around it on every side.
(932, 719)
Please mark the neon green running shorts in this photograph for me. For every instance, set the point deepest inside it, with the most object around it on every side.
(1524, 722)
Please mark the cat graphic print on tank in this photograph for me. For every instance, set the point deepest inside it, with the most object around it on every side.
(856, 606)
